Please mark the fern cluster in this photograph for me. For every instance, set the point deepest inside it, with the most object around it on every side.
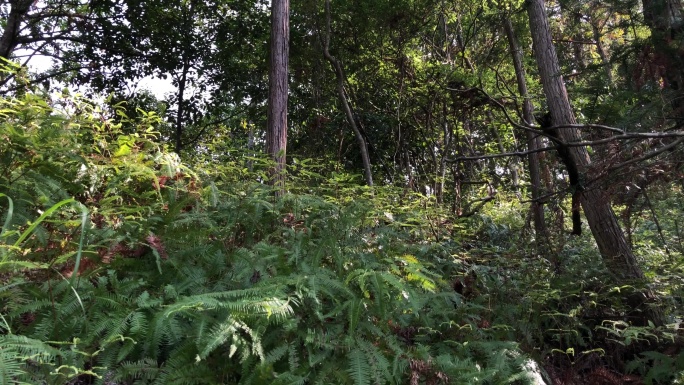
(181, 276)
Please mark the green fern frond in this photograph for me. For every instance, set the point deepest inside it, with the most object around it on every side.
(317, 357)
(380, 365)
(359, 369)
(230, 329)
(293, 358)
(179, 371)
(163, 331)
(145, 369)
(404, 291)
(10, 368)
(331, 373)
(276, 354)
(400, 366)
(21, 349)
(247, 302)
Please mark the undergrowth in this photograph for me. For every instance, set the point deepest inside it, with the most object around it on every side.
(121, 265)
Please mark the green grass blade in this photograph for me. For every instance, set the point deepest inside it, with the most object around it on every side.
(10, 213)
(40, 220)
(84, 229)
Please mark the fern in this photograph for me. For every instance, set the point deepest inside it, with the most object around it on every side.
(177, 371)
(379, 364)
(229, 330)
(10, 368)
(145, 370)
(17, 352)
(194, 277)
(359, 369)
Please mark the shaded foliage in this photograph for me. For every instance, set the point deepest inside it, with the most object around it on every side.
(189, 279)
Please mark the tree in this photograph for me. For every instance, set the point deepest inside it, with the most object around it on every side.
(343, 98)
(276, 129)
(140, 44)
(664, 19)
(612, 244)
(8, 41)
(105, 46)
(41, 28)
(533, 140)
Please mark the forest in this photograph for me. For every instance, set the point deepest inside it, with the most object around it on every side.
(347, 192)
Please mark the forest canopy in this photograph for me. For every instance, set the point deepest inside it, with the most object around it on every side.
(341, 192)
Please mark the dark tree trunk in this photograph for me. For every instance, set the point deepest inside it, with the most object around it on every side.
(605, 61)
(276, 130)
(574, 21)
(8, 41)
(533, 141)
(611, 241)
(181, 108)
(664, 19)
(187, 53)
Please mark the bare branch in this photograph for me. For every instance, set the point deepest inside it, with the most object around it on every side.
(501, 155)
(636, 135)
(589, 125)
(43, 78)
(647, 156)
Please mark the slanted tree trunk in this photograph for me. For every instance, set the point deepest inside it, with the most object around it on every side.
(533, 141)
(342, 94)
(8, 41)
(605, 61)
(276, 130)
(611, 241)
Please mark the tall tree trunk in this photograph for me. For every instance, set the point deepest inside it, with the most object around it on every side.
(605, 61)
(342, 94)
(512, 166)
(8, 41)
(182, 82)
(574, 22)
(440, 168)
(188, 20)
(276, 130)
(664, 19)
(533, 141)
(613, 246)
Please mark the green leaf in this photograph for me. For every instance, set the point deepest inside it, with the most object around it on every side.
(359, 369)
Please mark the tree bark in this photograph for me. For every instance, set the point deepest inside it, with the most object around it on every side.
(574, 21)
(664, 19)
(342, 94)
(605, 61)
(178, 129)
(276, 131)
(188, 19)
(533, 141)
(8, 41)
(617, 255)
